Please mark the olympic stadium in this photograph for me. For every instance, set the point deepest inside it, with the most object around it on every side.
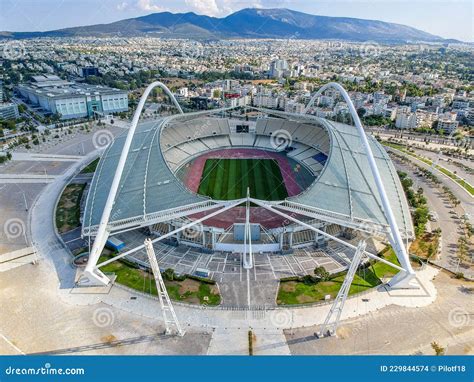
(246, 183)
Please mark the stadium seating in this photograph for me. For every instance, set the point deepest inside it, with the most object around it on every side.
(182, 141)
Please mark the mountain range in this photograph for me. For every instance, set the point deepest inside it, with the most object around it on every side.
(247, 23)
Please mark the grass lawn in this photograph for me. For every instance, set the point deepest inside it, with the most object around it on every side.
(68, 209)
(90, 167)
(297, 292)
(188, 290)
(227, 179)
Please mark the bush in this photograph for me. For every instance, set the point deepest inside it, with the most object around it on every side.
(169, 274)
(201, 279)
(322, 273)
(290, 278)
(459, 275)
(309, 280)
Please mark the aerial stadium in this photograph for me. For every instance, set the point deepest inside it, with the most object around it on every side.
(250, 182)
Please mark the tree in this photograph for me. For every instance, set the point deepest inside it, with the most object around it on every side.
(430, 251)
(438, 349)
(463, 249)
(322, 273)
(361, 112)
(169, 274)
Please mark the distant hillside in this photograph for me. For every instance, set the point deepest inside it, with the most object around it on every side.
(246, 23)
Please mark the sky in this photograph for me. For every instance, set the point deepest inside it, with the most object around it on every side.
(448, 19)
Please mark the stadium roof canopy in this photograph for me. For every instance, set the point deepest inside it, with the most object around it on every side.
(344, 193)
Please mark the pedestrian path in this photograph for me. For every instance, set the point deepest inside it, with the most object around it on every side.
(17, 258)
(18, 156)
(26, 178)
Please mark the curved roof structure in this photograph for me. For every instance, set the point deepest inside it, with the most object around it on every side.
(147, 186)
(343, 193)
(346, 185)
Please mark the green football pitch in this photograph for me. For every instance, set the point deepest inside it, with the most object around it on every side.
(227, 179)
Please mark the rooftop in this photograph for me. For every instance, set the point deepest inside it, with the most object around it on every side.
(55, 87)
(344, 190)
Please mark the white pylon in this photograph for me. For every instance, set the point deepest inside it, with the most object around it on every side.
(247, 255)
(165, 302)
(332, 320)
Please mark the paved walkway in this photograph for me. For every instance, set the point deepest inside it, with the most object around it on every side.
(19, 156)
(26, 178)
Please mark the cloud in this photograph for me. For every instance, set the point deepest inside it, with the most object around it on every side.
(122, 6)
(140, 5)
(217, 8)
(223, 7)
(149, 5)
(207, 7)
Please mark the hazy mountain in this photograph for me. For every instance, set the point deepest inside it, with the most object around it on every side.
(246, 23)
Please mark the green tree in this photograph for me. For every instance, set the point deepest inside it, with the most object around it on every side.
(169, 274)
(322, 273)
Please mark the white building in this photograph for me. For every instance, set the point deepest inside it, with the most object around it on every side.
(447, 125)
(70, 99)
(279, 68)
(405, 120)
(183, 92)
(8, 111)
(294, 107)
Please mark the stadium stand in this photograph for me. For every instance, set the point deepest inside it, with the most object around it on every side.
(182, 142)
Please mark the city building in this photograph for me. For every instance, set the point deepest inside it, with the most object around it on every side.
(405, 120)
(279, 68)
(448, 123)
(70, 99)
(8, 111)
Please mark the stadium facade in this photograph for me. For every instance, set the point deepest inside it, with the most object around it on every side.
(139, 183)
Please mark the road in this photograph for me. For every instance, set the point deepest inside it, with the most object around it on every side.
(449, 223)
(447, 163)
(466, 199)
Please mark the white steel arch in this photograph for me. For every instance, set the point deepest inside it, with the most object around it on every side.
(92, 275)
(402, 279)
